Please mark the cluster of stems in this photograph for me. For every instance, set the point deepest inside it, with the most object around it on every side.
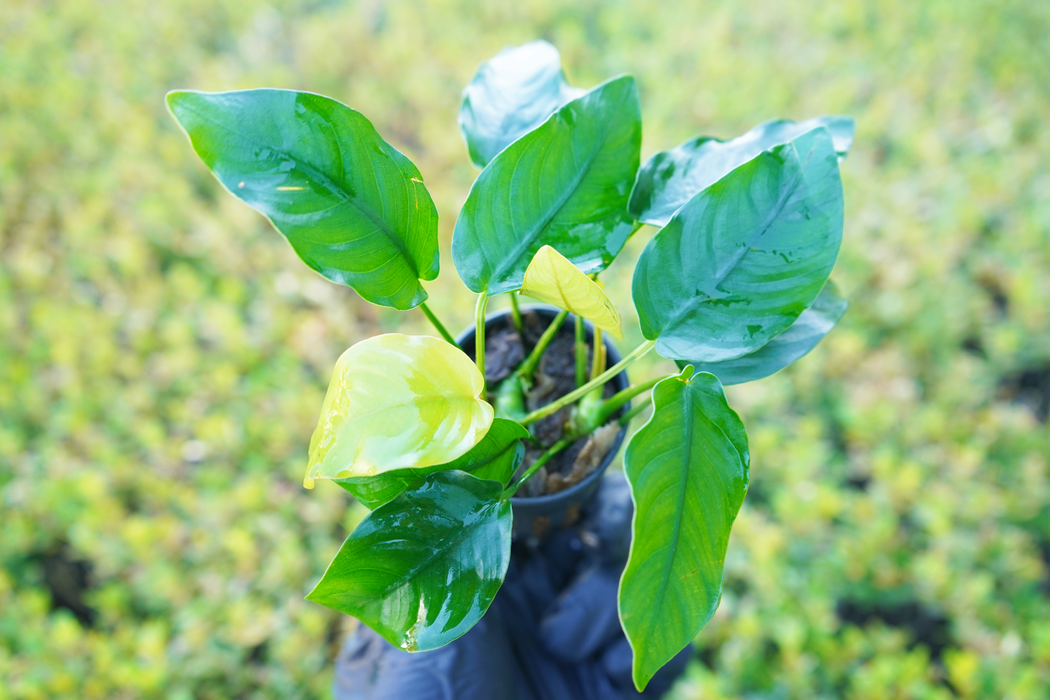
(599, 375)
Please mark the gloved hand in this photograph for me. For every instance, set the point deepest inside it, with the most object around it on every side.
(552, 632)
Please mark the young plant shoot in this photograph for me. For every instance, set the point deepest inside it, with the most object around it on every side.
(733, 287)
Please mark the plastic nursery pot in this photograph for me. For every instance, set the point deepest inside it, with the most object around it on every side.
(535, 517)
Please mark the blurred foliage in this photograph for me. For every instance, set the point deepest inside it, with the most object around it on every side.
(163, 354)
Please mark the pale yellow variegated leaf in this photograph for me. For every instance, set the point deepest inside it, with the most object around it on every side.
(396, 402)
(555, 280)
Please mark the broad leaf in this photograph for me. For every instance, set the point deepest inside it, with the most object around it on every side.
(353, 208)
(395, 402)
(688, 468)
(564, 184)
(511, 94)
(422, 569)
(496, 457)
(671, 178)
(741, 261)
(801, 336)
(555, 280)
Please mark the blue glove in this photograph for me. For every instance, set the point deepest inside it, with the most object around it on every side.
(552, 633)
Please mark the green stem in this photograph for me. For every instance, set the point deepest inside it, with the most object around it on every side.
(581, 353)
(602, 378)
(635, 410)
(598, 354)
(515, 313)
(619, 399)
(438, 324)
(479, 332)
(635, 228)
(544, 458)
(528, 367)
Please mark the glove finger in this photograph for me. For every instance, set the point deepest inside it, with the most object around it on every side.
(584, 619)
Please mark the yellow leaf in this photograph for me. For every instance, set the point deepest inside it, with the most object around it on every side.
(395, 402)
(555, 280)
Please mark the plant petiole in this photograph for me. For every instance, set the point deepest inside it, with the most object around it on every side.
(581, 353)
(438, 324)
(535, 467)
(528, 367)
(479, 333)
(515, 314)
(601, 379)
(635, 410)
(619, 399)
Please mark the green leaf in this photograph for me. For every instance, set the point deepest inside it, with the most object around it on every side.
(564, 184)
(422, 569)
(511, 94)
(353, 208)
(739, 263)
(671, 178)
(801, 336)
(688, 468)
(396, 402)
(496, 457)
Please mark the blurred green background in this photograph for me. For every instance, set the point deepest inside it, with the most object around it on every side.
(163, 353)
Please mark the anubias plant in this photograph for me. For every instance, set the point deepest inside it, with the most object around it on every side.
(733, 287)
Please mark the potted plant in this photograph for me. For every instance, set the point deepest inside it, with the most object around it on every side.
(440, 442)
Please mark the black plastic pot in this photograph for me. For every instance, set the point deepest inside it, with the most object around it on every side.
(535, 517)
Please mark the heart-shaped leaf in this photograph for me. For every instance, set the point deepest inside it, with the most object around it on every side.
(688, 468)
(671, 178)
(422, 569)
(353, 208)
(511, 94)
(739, 263)
(395, 402)
(555, 280)
(496, 457)
(801, 336)
(564, 184)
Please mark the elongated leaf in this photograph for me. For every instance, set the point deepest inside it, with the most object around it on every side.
(511, 94)
(801, 336)
(422, 569)
(671, 178)
(741, 261)
(496, 457)
(395, 402)
(564, 184)
(353, 208)
(688, 468)
(555, 280)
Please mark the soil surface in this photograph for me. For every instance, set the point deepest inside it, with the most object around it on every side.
(505, 350)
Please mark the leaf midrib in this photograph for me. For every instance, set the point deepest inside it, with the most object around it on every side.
(325, 181)
(721, 274)
(530, 238)
(462, 534)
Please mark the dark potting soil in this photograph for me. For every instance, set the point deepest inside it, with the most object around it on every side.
(505, 350)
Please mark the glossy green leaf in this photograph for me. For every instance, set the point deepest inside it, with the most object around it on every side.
(352, 207)
(564, 184)
(496, 457)
(801, 336)
(671, 178)
(397, 402)
(739, 263)
(511, 94)
(555, 280)
(422, 569)
(688, 468)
